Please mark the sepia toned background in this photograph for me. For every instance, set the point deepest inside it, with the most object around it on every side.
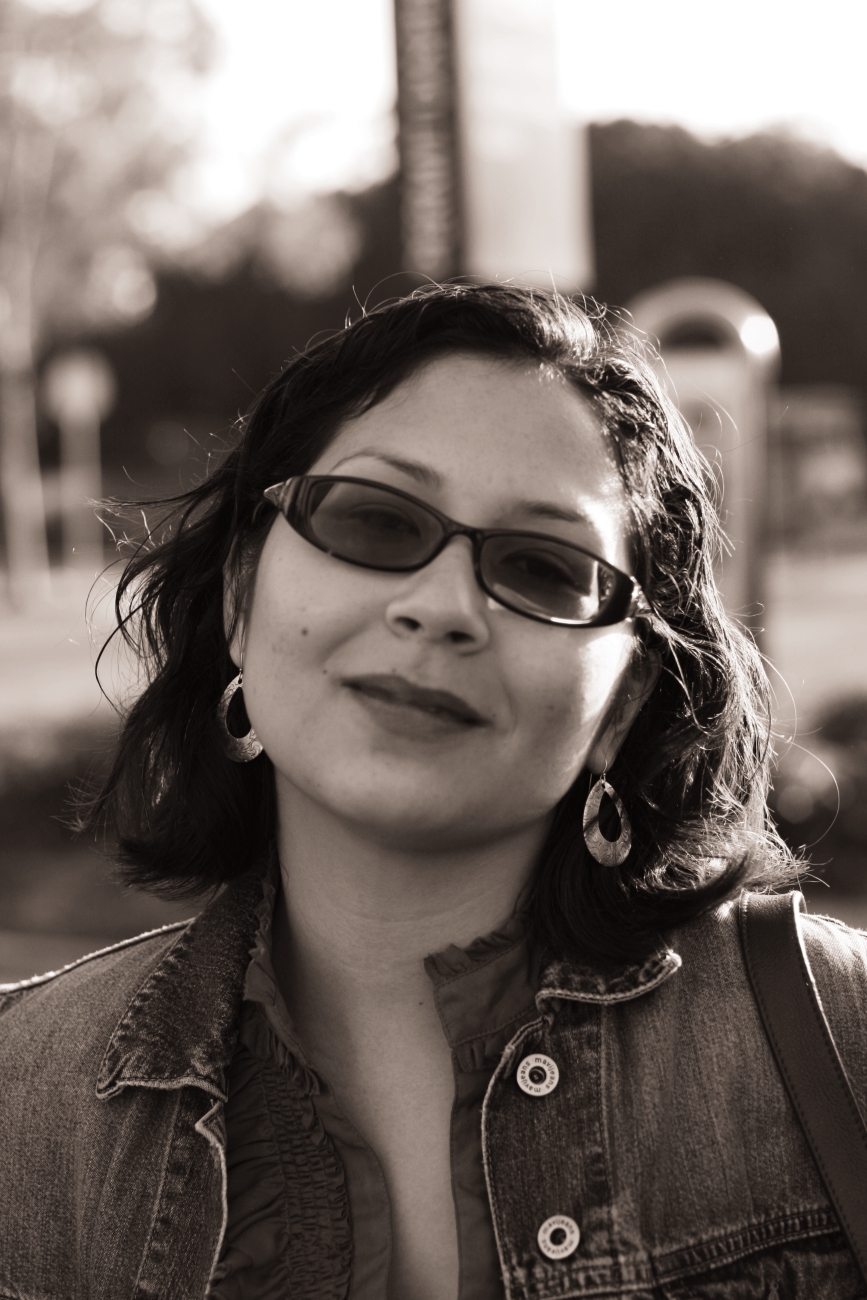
(191, 192)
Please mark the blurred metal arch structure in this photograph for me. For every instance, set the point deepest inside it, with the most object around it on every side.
(694, 300)
(719, 358)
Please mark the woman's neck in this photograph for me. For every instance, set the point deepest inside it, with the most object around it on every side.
(358, 916)
(355, 921)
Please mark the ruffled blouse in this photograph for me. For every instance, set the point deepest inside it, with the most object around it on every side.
(308, 1206)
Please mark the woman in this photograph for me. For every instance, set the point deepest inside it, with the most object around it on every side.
(470, 1016)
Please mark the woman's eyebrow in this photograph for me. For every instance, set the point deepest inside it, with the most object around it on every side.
(547, 510)
(431, 478)
(593, 535)
(414, 468)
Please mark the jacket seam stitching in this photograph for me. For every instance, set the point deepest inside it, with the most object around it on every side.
(160, 1190)
(603, 1127)
(499, 1073)
(36, 981)
(603, 999)
(203, 1128)
(733, 1255)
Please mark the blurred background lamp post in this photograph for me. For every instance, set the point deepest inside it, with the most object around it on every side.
(78, 393)
(494, 172)
(720, 357)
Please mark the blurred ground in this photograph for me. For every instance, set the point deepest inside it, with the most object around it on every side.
(57, 898)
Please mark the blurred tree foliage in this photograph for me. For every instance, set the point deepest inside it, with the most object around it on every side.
(222, 328)
(819, 795)
(84, 130)
(780, 217)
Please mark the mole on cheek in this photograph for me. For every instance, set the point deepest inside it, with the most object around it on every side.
(304, 631)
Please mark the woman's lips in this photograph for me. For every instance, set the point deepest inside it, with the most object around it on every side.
(397, 691)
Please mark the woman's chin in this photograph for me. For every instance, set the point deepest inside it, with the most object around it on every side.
(398, 812)
(418, 825)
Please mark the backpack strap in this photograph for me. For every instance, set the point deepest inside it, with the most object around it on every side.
(807, 1056)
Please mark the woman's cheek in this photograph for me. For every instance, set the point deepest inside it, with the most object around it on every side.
(575, 698)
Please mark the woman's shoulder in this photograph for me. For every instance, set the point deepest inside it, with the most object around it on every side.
(73, 1002)
(837, 954)
(711, 949)
(712, 990)
(712, 953)
(153, 1003)
(840, 945)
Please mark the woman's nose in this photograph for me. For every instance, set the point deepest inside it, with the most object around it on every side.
(443, 601)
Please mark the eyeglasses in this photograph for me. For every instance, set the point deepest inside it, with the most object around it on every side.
(533, 574)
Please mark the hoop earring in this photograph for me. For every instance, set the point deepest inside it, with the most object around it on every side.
(240, 749)
(608, 853)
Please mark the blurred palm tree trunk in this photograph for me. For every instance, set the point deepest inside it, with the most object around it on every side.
(21, 488)
(29, 166)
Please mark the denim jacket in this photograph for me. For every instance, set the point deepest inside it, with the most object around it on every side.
(669, 1139)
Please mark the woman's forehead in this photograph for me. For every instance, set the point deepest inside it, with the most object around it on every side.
(486, 437)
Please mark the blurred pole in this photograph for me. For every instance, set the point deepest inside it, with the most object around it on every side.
(720, 354)
(495, 177)
(427, 137)
(78, 393)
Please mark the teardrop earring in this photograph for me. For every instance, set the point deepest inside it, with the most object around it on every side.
(608, 853)
(240, 749)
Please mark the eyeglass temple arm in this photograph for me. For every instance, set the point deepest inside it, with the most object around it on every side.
(639, 605)
(278, 493)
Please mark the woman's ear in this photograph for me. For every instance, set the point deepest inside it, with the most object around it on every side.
(635, 690)
(234, 612)
(239, 589)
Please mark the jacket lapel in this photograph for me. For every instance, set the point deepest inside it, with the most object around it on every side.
(181, 1024)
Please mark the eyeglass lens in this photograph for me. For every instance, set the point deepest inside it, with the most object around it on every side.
(374, 527)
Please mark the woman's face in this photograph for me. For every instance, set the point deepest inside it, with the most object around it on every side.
(334, 654)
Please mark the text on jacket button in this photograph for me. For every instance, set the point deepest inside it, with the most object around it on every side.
(538, 1075)
(559, 1236)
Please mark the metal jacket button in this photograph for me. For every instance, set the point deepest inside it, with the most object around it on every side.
(559, 1236)
(538, 1075)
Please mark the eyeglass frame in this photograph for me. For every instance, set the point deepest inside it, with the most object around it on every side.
(627, 602)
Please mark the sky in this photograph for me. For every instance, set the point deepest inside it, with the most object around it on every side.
(300, 99)
(301, 94)
(721, 69)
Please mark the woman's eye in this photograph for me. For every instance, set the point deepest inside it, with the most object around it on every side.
(382, 519)
(542, 567)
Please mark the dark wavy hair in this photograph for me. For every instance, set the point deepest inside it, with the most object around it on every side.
(693, 772)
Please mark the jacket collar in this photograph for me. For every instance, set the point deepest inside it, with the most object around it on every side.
(181, 1024)
(578, 982)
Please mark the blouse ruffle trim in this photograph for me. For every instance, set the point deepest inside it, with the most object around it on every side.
(454, 961)
(286, 1182)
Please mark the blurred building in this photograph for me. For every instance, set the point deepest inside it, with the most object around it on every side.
(820, 465)
(495, 177)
